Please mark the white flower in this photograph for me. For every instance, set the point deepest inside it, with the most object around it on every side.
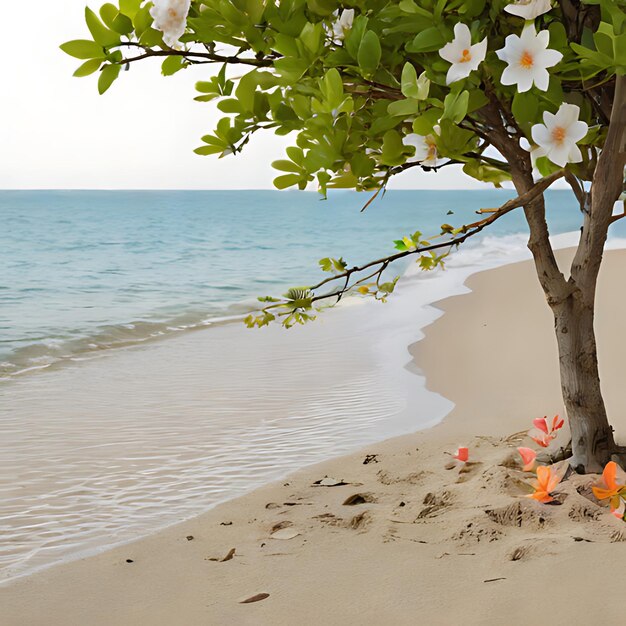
(343, 23)
(170, 17)
(528, 9)
(558, 135)
(528, 58)
(425, 149)
(464, 56)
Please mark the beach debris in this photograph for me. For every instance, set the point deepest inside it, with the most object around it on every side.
(255, 598)
(189, 537)
(272, 505)
(359, 498)
(359, 521)
(327, 481)
(493, 580)
(519, 553)
(129, 561)
(529, 457)
(435, 503)
(228, 557)
(370, 458)
(284, 534)
(226, 523)
(330, 519)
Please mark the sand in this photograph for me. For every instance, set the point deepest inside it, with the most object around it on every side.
(419, 543)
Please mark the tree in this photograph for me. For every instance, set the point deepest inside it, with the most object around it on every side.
(508, 89)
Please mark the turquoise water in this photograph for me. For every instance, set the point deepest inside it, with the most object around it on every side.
(87, 270)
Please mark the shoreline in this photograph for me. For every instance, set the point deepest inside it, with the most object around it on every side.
(408, 499)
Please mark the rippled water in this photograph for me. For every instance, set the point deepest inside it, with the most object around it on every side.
(120, 445)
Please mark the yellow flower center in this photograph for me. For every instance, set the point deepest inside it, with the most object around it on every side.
(558, 134)
(172, 12)
(526, 60)
(466, 56)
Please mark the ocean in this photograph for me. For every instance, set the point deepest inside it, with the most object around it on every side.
(84, 271)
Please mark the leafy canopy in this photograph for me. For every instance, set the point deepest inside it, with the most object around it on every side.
(362, 87)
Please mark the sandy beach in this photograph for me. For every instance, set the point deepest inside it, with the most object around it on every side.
(391, 536)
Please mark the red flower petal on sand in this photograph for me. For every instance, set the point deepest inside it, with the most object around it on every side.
(528, 458)
(462, 454)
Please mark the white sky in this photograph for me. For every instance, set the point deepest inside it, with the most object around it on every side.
(57, 132)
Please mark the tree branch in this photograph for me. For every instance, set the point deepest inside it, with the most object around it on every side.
(550, 277)
(577, 188)
(468, 231)
(606, 187)
(209, 57)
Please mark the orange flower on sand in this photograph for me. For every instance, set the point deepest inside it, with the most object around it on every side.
(462, 454)
(543, 434)
(541, 440)
(610, 489)
(528, 458)
(547, 479)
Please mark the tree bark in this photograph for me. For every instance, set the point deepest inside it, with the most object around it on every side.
(573, 300)
(592, 437)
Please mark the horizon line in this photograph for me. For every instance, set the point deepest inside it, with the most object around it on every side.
(175, 189)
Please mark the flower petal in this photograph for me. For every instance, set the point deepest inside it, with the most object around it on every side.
(577, 131)
(609, 474)
(541, 79)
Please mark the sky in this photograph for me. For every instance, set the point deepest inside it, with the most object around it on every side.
(58, 133)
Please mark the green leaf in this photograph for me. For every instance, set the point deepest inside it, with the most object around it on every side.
(403, 108)
(172, 64)
(393, 148)
(286, 166)
(108, 12)
(130, 7)
(107, 77)
(333, 87)
(411, 85)
(424, 124)
(100, 33)
(429, 40)
(83, 49)
(409, 81)
(88, 67)
(208, 150)
(287, 180)
(486, 173)
(369, 53)
(525, 109)
(455, 106)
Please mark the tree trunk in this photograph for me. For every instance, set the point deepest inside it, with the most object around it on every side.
(572, 300)
(592, 437)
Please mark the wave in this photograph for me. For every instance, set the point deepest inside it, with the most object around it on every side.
(43, 353)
